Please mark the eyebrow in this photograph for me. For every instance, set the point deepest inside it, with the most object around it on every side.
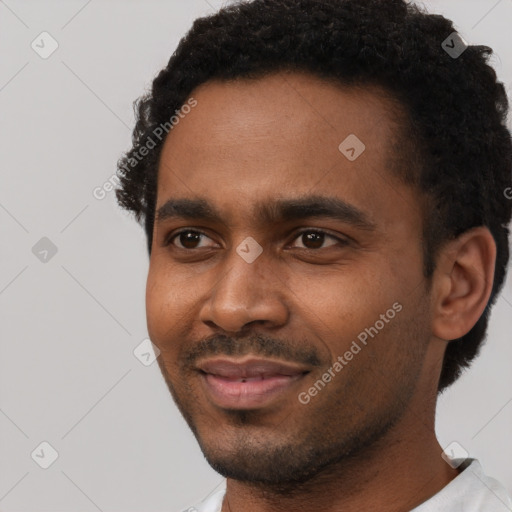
(275, 211)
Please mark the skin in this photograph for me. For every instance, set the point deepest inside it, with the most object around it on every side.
(367, 439)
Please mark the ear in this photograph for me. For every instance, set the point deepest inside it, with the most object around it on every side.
(462, 283)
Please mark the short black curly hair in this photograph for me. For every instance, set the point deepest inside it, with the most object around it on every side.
(461, 157)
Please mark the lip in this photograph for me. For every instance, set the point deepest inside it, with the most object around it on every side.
(249, 383)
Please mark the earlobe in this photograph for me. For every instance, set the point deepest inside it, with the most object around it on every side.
(462, 283)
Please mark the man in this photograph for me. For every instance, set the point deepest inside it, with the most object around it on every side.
(323, 186)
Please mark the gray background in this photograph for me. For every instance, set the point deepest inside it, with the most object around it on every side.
(68, 375)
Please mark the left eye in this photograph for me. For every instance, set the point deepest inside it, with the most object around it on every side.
(315, 239)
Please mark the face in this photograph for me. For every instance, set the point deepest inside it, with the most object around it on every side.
(285, 289)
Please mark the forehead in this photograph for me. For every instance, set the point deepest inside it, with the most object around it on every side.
(246, 140)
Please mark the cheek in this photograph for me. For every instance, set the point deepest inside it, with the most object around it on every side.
(165, 306)
(347, 297)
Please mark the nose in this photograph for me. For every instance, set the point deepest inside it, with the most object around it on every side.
(246, 293)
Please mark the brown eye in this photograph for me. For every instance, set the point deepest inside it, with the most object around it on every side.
(188, 239)
(314, 239)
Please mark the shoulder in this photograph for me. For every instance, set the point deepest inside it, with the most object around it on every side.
(212, 503)
(472, 491)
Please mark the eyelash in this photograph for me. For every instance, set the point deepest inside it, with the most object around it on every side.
(343, 242)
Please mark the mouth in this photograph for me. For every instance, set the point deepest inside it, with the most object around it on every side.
(249, 383)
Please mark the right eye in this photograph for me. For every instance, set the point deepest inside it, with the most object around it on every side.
(188, 239)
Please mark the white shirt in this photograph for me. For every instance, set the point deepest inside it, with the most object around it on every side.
(470, 491)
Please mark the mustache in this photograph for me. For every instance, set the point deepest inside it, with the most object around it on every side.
(257, 345)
